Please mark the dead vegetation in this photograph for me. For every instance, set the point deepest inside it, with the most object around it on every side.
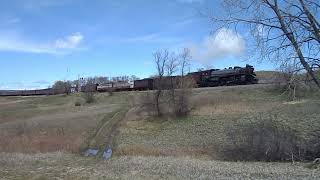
(217, 114)
(62, 87)
(218, 111)
(172, 88)
(88, 93)
(46, 124)
(67, 166)
(268, 138)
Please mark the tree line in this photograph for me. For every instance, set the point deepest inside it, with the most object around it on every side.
(65, 87)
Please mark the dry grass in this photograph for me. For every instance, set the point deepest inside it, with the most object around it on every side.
(40, 143)
(233, 100)
(53, 123)
(215, 110)
(211, 104)
(169, 148)
(66, 166)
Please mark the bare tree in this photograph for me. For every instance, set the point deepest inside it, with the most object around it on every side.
(89, 89)
(291, 79)
(171, 83)
(171, 80)
(120, 78)
(101, 80)
(284, 30)
(185, 61)
(185, 84)
(161, 58)
(62, 87)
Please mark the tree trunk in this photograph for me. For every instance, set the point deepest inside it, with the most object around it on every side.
(157, 97)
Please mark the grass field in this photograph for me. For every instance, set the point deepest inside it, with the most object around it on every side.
(49, 128)
(51, 123)
(68, 166)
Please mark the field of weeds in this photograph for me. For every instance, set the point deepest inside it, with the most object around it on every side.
(216, 111)
(146, 147)
(67, 166)
(52, 123)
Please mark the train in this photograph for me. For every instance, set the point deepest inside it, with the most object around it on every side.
(114, 86)
(37, 92)
(205, 78)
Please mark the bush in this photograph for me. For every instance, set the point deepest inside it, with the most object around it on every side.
(77, 103)
(313, 146)
(62, 87)
(146, 102)
(169, 101)
(182, 106)
(89, 90)
(88, 97)
(268, 140)
(294, 86)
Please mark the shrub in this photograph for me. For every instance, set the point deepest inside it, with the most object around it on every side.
(146, 103)
(313, 146)
(268, 139)
(183, 105)
(77, 103)
(88, 97)
(62, 87)
(169, 102)
(89, 90)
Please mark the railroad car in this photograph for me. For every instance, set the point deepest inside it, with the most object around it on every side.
(143, 84)
(48, 91)
(114, 86)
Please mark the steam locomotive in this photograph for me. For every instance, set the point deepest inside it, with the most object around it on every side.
(231, 76)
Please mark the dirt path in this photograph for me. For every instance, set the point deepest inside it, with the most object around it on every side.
(107, 131)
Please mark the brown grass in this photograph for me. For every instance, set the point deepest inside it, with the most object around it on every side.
(230, 101)
(54, 123)
(66, 166)
(36, 144)
(182, 146)
(46, 124)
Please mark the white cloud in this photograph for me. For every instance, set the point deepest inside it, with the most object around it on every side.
(14, 42)
(69, 42)
(223, 43)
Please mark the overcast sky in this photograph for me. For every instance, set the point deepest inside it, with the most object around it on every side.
(42, 41)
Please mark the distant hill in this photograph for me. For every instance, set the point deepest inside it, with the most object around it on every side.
(268, 76)
(277, 76)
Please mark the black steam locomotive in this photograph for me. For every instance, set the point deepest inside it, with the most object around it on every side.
(231, 76)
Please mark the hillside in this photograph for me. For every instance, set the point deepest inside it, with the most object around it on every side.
(47, 129)
(268, 76)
